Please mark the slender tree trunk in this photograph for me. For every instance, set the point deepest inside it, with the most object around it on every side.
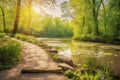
(83, 24)
(104, 16)
(4, 22)
(29, 20)
(17, 17)
(119, 22)
(118, 25)
(95, 15)
(95, 18)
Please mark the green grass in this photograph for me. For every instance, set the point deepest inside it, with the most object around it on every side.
(91, 71)
(30, 39)
(2, 35)
(10, 53)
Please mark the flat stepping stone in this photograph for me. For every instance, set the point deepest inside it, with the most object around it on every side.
(38, 70)
(65, 66)
(42, 76)
(42, 45)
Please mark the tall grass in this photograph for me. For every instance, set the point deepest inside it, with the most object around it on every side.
(9, 53)
(30, 39)
(92, 71)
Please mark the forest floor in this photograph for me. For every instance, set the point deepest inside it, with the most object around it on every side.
(33, 58)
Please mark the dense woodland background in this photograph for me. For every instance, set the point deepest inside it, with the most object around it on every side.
(90, 20)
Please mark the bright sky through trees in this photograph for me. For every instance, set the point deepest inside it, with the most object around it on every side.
(36, 9)
(55, 12)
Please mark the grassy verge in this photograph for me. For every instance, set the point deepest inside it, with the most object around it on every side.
(92, 38)
(30, 39)
(9, 53)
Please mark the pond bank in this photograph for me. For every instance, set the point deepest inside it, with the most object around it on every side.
(80, 52)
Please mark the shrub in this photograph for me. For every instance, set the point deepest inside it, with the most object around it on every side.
(77, 75)
(32, 39)
(21, 37)
(92, 72)
(85, 37)
(9, 53)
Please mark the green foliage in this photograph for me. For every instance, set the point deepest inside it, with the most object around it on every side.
(91, 70)
(77, 75)
(2, 35)
(21, 37)
(55, 58)
(26, 38)
(54, 27)
(72, 75)
(84, 37)
(9, 53)
(107, 72)
(30, 39)
(92, 64)
(107, 14)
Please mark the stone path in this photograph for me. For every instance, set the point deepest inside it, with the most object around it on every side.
(34, 58)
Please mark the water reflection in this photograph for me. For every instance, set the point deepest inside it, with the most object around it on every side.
(81, 51)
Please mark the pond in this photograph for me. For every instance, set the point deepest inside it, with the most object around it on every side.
(80, 52)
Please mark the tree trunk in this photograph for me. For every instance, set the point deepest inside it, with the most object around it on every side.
(104, 16)
(29, 20)
(83, 24)
(17, 17)
(118, 25)
(4, 22)
(95, 15)
(95, 18)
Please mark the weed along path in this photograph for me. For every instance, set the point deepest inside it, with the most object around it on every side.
(35, 65)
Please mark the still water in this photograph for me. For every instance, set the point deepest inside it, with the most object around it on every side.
(79, 52)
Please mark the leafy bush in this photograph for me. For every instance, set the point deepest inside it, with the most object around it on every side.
(85, 37)
(91, 71)
(21, 37)
(9, 53)
(77, 75)
(71, 74)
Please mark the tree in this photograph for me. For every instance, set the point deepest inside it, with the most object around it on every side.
(17, 17)
(104, 10)
(66, 11)
(3, 14)
(48, 2)
(29, 9)
(95, 12)
(87, 16)
(114, 7)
